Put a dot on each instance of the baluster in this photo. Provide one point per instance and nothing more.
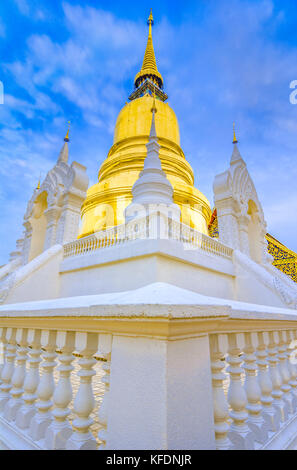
(60, 429)
(253, 391)
(8, 369)
(220, 403)
(27, 411)
(276, 378)
(287, 340)
(42, 419)
(4, 343)
(292, 360)
(271, 415)
(82, 439)
(239, 434)
(284, 371)
(18, 377)
(105, 345)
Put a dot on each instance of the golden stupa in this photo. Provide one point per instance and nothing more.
(106, 200)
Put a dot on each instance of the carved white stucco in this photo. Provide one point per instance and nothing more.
(238, 207)
(62, 194)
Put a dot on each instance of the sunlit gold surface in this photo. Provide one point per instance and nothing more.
(125, 160)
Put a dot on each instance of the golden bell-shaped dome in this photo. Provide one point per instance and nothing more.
(135, 118)
(106, 201)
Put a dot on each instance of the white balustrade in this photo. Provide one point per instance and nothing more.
(145, 228)
(3, 343)
(60, 429)
(221, 414)
(82, 439)
(8, 369)
(252, 375)
(291, 342)
(284, 373)
(271, 414)
(105, 346)
(28, 409)
(253, 390)
(42, 419)
(276, 379)
(240, 433)
(17, 381)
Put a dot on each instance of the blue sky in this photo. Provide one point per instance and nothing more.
(221, 60)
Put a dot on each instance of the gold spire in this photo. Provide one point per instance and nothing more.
(235, 141)
(149, 67)
(66, 139)
(38, 185)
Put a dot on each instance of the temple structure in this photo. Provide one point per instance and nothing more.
(173, 325)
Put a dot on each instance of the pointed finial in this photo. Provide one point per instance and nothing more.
(66, 139)
(235, 141)
(38, 185)
(150, 20)
(149, 67)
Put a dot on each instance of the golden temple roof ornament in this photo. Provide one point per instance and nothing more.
(149, 67)
(235, 141)
(66, 138)
(38, 184)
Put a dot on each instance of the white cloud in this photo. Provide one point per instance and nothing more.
(23, 6)
(31, 9)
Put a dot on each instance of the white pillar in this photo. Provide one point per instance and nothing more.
(105, 345)
(18, 377)
(60, 429)
(42, 419)
(221, 409)
(84, 403)
(27, 411)
(271, 414)
(277, 393)
(239, 434)
(160, 394)
(253, 391)
(8, 368)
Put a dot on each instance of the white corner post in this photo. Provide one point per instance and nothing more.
(160, 394)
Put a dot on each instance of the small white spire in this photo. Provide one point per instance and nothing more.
(236, 156)
(153, 133)
(63, 156)
(152, 186)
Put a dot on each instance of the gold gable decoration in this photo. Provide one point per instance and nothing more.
(284, 259)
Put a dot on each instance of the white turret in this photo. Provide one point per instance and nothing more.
(152, 191)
